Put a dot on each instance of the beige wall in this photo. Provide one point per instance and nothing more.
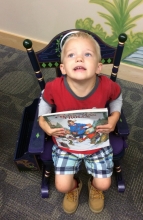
(40, 20)
(43, 19)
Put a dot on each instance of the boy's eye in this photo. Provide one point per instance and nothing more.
(71, 55)
(88, 54)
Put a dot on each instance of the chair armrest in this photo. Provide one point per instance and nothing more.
(122, 128)
(37, 139)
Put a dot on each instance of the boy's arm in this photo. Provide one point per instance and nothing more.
(55, 132)
(115, 110)
(45, 108)
(116, 105)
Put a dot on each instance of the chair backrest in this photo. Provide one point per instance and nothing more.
(49, 56)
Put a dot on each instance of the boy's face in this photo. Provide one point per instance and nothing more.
(71, 122)
(80, 60)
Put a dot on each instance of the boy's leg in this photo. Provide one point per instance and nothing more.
(71, 186)
(66, 165)
(100, 166)
(101, 183)
(65, 183)
(96, 186)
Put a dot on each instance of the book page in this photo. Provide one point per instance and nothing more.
(80, 129)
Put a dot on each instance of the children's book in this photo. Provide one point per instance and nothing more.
(80, 128)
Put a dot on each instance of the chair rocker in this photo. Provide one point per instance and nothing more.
(32, 143)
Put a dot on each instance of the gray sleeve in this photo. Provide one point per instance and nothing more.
(116, 105)
(44, 107)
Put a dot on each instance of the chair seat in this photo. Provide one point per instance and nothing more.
(118, 143)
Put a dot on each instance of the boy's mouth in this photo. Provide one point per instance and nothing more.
(79, 68)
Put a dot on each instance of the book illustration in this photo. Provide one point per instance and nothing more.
(80, 128)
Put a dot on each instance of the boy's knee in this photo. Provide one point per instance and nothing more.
(63, 188)
(64, 185)
(102, 184)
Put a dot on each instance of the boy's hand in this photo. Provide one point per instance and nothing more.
(112, 121)
(55, 132)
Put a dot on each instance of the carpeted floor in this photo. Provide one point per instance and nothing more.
(20, 191)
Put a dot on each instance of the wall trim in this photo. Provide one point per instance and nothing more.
(126, 72)
(130, 65)
(16, 41)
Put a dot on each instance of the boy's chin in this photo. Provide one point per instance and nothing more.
(83, 77)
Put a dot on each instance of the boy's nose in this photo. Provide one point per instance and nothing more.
(79, 58)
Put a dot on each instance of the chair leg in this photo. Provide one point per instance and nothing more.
(119, 177)
(47, 166)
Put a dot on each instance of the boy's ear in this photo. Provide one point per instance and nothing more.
(62, 69)
(99, 68)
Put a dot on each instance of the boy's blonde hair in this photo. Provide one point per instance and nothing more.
(81, 34)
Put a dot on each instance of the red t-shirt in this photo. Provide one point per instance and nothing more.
(58, 93)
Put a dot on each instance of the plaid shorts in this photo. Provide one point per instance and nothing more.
(99, 164)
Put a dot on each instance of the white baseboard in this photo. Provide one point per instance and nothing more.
(16, 41)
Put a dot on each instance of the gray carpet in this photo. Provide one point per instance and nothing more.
(20, 191)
